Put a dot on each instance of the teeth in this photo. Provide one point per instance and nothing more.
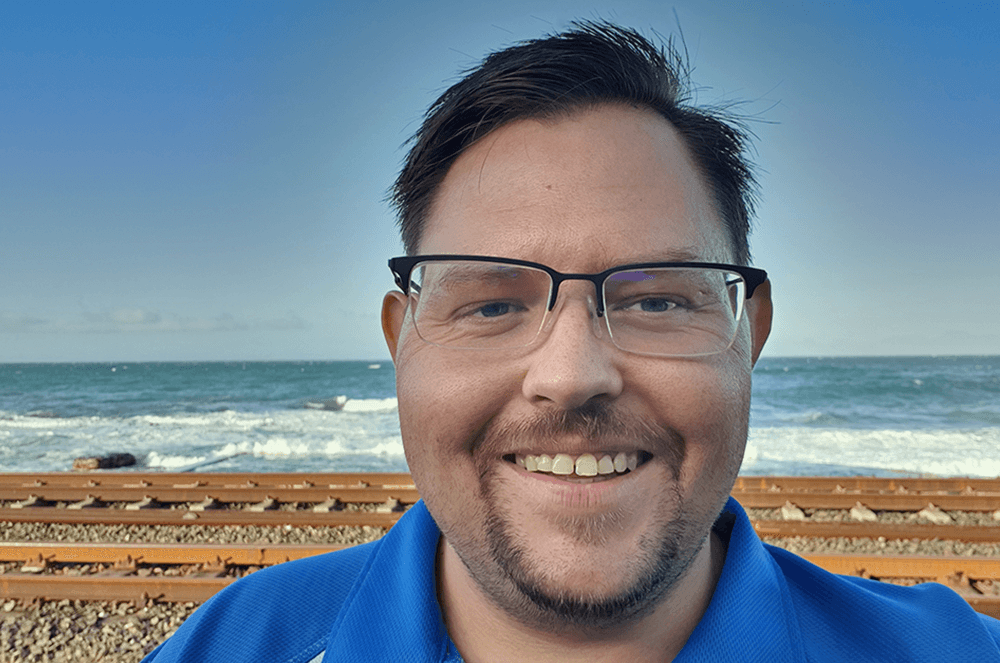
(562, 464)
(586, 465)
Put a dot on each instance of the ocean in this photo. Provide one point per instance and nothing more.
(888, 416)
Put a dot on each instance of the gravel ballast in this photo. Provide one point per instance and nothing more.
(77, 533)
(85, 631)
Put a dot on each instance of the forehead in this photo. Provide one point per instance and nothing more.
(599, 187)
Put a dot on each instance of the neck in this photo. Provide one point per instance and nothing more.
(484, 633)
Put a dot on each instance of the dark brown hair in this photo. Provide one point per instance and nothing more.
(590, 64)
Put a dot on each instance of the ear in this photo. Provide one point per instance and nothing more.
(393, 314)
(760, 311)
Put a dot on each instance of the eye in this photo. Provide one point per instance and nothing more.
(656, 305)
(650, 304)
(494, 309)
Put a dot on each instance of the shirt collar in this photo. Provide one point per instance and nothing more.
(750, 617)
(392, 612)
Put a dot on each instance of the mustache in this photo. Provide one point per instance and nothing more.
(596, 422)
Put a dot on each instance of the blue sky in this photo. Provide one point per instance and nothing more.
(198, 181)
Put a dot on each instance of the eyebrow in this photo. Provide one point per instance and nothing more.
(671, 255)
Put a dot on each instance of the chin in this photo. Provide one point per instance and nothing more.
(586, 573)
(549, 593)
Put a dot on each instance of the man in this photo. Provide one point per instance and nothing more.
(573, 342)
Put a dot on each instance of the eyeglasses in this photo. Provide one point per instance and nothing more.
(674, 309)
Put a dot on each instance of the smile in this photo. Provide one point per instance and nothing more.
(602, 465)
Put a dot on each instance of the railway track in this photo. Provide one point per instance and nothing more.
(140, 572)
(171, 498)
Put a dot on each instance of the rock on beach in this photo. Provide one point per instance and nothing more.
(108, 462)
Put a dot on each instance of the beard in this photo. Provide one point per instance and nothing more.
(514, 580)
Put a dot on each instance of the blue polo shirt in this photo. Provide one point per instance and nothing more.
(377, 602)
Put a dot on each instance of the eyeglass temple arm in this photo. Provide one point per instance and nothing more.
(753, 279)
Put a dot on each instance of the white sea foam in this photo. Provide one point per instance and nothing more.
(38, 423)
(169, 462)
(280, 446)
(293, 439)
(944, 452)
(388, 448)
(370, 405)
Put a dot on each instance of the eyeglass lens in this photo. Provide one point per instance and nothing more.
(674, 311)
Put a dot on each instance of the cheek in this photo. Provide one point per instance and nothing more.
(445, 398)
(707, 403)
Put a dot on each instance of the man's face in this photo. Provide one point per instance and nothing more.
(599, 188)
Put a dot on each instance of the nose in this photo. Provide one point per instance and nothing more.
(576, 363)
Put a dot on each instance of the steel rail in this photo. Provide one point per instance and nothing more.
(875, 530)
(936, 567)
(750, 499)
(123, 478)
(176, 495)
(762, 492)
(940, 568)
(950, 570)
(221, 517)
(174, 589)
(866, 484)
(874, 501)
(181, 589)
(213, 554)
(305, 493)
(386, 517)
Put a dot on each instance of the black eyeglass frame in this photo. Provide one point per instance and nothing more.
(403, 266)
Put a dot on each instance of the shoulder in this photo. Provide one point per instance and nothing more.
(869, 620)
(283, 612)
